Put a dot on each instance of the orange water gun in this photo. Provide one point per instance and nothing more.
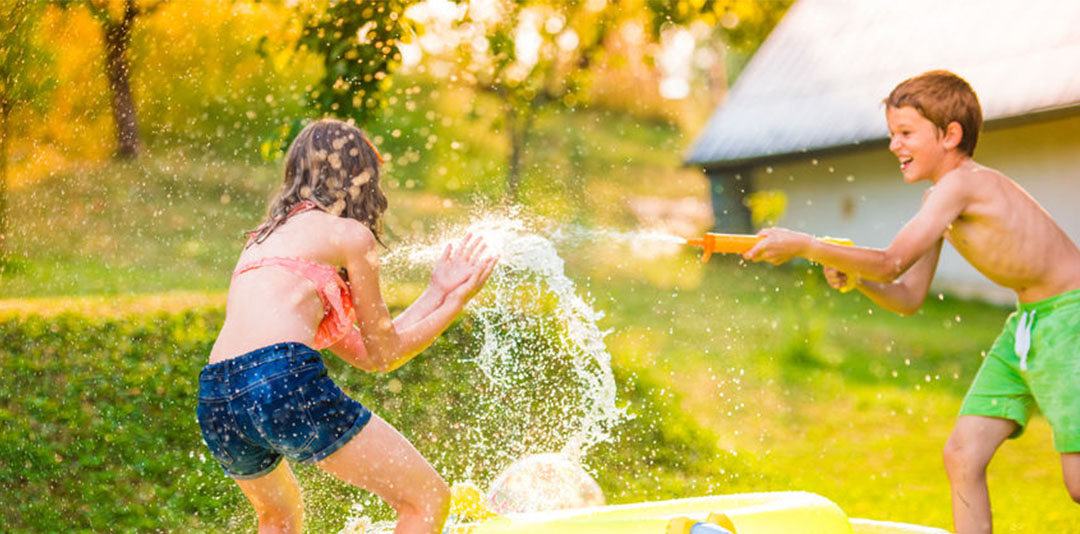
(712, 243)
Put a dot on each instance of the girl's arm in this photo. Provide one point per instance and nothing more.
(452, 269)
(383, 344)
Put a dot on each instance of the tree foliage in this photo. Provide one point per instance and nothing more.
(536, 55)
(22, 59)
(744, 24)
(227, 76)
(357, 42)
(530, 55)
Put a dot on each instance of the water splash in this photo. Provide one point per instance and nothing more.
(543, 378)
(539, 374)
(538, 346)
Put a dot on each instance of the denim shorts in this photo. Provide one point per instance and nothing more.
(273, 402)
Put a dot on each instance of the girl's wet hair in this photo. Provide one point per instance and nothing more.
(333, 165)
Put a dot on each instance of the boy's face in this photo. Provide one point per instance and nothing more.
(917, 142)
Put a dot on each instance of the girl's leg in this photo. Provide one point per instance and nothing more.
(1070, 468)
(277, 501)
(382, 461)
(972, 444)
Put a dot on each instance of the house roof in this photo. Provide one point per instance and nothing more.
(817, 82)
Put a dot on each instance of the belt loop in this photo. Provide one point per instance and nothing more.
(226, 370)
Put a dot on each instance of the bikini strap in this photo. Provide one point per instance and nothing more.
(299, 207)
(318, 273)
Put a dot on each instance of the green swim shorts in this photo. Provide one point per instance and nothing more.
(1034, 362)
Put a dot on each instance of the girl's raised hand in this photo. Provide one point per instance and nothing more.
(472, 285)
(461, 264)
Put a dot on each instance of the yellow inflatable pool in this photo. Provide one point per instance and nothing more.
(790, 512)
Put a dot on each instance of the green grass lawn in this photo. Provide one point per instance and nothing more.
(828, 393)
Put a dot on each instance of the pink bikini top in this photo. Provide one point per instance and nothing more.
(338, 313)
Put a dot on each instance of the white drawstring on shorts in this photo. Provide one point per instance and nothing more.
(1023, 337)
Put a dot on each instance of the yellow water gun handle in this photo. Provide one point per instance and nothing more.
(851, 280)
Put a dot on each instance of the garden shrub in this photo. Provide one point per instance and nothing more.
(98, 429)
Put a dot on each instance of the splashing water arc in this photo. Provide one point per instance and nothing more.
(549, 386)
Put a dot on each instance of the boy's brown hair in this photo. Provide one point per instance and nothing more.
(942, 97)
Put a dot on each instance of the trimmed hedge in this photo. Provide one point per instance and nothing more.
(98, 430)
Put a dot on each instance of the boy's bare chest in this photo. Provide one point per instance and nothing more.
(977, 240)
(997, 247)
(962, 231)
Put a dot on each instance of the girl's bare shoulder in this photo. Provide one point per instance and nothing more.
(344, 235)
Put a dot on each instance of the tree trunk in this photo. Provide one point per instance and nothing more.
(117, 39)
(576, 183)
(518, 124)
(513, 175)
(5, 112)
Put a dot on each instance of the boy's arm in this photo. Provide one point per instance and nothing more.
(942, 204)
(903, 296)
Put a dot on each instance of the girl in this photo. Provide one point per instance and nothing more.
(265, 394)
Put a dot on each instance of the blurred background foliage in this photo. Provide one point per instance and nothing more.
(222, 77)
(573, 109)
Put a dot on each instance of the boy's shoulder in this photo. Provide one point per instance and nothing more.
(972, 169)
(971, 177)
(971, 189)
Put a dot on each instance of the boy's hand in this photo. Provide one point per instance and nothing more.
(836, 279)
(778, 245)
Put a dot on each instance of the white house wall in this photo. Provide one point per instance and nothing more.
(861, 195)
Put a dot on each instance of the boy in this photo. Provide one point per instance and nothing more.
(934, 122)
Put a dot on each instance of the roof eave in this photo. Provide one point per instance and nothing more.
(1007, 121)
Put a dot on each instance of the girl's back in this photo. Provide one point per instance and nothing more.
(275, 303)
